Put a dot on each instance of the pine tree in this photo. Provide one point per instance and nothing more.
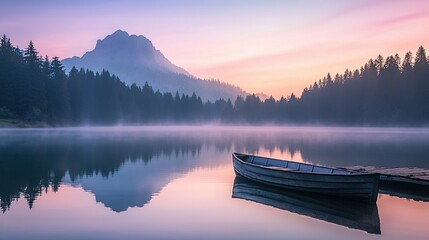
(8, 70)
(407, 64)
(421, 73)
(57, 93)
(31, 56)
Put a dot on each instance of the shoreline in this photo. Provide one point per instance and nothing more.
(16, 123)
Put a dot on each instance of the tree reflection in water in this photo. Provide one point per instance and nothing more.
(32, 161)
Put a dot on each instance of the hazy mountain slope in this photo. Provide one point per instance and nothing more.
(135, 60)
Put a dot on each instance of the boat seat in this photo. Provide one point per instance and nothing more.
(281, 168)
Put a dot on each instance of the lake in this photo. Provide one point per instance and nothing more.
(178, 183)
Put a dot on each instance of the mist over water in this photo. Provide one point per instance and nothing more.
(177, 180)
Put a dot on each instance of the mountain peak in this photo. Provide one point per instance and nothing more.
(121, 39)
(118, 35)
(136, 60)
(120, 32)
(120, 46)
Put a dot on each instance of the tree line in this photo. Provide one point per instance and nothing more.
(36, 89)
(382, 92)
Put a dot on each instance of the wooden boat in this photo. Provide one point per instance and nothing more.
(308, 177)
(355, 215)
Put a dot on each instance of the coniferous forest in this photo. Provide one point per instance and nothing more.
(384, 92)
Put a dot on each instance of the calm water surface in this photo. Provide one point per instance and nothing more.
(178, 183)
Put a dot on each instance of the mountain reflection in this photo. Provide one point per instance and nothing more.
(125, 168)
(30, 164)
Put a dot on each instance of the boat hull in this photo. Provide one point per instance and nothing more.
(362, 187)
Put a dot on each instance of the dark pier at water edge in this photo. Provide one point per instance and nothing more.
(402, 182)
(417, 176)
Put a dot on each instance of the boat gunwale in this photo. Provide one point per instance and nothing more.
(284, 170)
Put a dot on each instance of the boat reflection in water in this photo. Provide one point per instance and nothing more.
(350, 214)
(404, 190)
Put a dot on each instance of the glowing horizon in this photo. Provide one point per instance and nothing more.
(275, 47)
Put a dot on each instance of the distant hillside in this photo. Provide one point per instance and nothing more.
(134, 59)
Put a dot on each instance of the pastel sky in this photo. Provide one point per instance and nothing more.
(275, 47)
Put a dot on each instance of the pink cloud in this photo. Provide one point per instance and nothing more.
(400, 19)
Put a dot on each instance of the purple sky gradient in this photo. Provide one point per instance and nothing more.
(275, 47)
